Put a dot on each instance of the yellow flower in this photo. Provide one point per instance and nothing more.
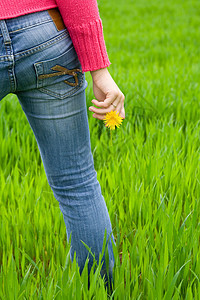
(112, 119)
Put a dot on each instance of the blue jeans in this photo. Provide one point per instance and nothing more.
(38, 63)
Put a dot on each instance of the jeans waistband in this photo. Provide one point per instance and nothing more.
(27, 20)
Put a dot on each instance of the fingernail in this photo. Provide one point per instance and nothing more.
(90, 108)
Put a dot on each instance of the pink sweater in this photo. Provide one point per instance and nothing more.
(81, 17)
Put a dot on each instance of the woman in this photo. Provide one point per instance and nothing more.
(45, 48)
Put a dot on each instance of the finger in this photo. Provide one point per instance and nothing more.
(122, 113)
(103, 107)
(97, 116)
(117, 105)
(110, 98)
(101, 111)
(99, 103)
(114, 104)
(118, 108)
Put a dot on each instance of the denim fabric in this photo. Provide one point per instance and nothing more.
(31, 50)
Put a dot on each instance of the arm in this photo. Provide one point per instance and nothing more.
(84, 24)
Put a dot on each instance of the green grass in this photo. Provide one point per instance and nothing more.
(149, 175)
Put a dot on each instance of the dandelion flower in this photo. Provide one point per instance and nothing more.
(112, 119)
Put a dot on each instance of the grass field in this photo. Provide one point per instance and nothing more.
(149, 175)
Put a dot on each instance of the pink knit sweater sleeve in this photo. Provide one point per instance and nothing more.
(81, 17)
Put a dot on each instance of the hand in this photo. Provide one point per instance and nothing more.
(108, 95)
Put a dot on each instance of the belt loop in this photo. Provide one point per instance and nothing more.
(5, 33)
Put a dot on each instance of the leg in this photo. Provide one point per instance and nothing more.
(62, 133)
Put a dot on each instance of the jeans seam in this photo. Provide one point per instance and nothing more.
(11, 68)
(41, 46)
(30, 26)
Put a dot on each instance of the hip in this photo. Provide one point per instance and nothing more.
(36, 51)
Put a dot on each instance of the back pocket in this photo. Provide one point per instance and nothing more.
(61, 76)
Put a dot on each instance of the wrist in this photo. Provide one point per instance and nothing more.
(100, 72)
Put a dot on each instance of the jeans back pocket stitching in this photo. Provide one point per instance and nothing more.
(63, 71)
(73, 90)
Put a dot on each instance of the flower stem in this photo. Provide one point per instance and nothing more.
(111, 143)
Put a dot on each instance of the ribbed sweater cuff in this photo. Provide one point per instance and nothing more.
(88, 41)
